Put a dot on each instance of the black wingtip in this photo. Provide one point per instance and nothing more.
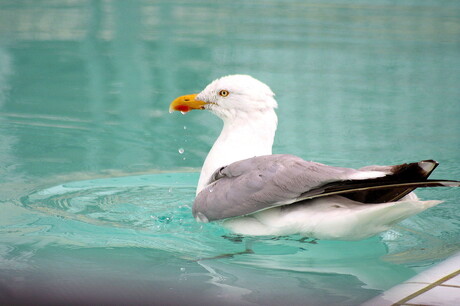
(360, 191)
(403, 179)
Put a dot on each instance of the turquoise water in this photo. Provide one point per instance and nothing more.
(95, 194)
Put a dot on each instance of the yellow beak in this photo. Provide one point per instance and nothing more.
(186, 103)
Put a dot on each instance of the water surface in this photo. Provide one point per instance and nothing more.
(97, 179)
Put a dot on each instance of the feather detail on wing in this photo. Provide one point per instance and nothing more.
(263, 182)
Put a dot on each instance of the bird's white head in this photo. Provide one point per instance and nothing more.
(228, 96)
(247, 107)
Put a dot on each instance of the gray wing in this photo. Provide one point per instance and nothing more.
(262, 182)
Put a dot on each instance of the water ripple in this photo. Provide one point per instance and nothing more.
(154, 212)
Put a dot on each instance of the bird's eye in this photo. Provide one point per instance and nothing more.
(223, 93)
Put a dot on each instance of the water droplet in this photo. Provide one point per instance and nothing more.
(210, 190)
(185, 127)
(170, 189)
(182, 269)
(183, 113)
(181, 150)
(183, 158)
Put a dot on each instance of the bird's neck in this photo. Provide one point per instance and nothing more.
(243, 136)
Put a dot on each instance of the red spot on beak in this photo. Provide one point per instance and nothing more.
(182, 108)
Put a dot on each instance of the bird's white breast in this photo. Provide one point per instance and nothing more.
(245, 136)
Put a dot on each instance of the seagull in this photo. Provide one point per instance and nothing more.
(251, 191)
